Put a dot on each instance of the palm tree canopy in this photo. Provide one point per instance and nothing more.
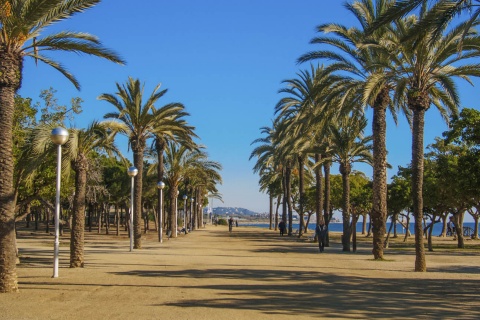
(438, 17)
(22, 22)
(140, 120)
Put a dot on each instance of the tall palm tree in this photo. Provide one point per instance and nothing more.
(176, 129)
(82, 143)
(426, 77)
(268, 170)
(367, 71)
(21, 25)
(298, 139)
(349, 146)
(180, 161)
(138, 121)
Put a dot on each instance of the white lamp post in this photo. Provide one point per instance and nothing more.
(132, 172)
(58, 136)
(185, 213)
(160, 187)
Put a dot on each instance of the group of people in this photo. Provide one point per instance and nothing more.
(321, 231)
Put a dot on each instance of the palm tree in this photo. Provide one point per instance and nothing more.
(21, 24)
(203, 175)
(82, 143)
(138, 121)
(349, 146)
(180, 162)
(269, 171)
(298, 139)
(426, 75)
(370, 81)
(175, 129)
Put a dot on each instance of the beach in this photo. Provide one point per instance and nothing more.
(251, 273)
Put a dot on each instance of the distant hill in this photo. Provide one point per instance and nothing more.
(222, 211)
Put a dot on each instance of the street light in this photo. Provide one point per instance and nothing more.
(185, 213)
(160, 187)
(132, 172)
(58, 136)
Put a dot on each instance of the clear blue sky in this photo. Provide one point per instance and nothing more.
(224, 60)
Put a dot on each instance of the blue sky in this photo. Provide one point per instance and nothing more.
(224, 60)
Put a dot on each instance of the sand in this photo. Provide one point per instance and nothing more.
(248, 274)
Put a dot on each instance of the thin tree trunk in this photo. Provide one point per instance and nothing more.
(364, 224)
(394, 222)
(117, 215)
(279, 198)
(385, 245)
(458, 222)
(353, 228)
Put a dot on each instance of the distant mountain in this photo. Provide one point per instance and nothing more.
(222, 211)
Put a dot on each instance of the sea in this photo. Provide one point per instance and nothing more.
(338, 226)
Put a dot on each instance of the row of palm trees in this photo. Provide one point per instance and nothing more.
(397, 58)
(137, 116)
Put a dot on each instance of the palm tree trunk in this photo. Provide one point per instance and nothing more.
(318, 188)
(117, 218)
(173, 209)
(345, 171)
(78, 221)
(288, 197)
(326, 203)
(379, 208)
(284, 200)
(301, 190)
(137, 200)
(417, 186)
(270, 209)
(10, 78)
(279, 198)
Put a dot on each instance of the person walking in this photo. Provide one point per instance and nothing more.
(321, 233)
(282, 227)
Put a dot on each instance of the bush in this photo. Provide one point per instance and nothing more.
(222, 222)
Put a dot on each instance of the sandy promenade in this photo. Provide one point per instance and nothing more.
(249, 274)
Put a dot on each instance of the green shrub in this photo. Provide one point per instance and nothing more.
(222, 222)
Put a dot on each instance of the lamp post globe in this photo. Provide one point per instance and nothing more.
(132, 171)
(59, 136)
